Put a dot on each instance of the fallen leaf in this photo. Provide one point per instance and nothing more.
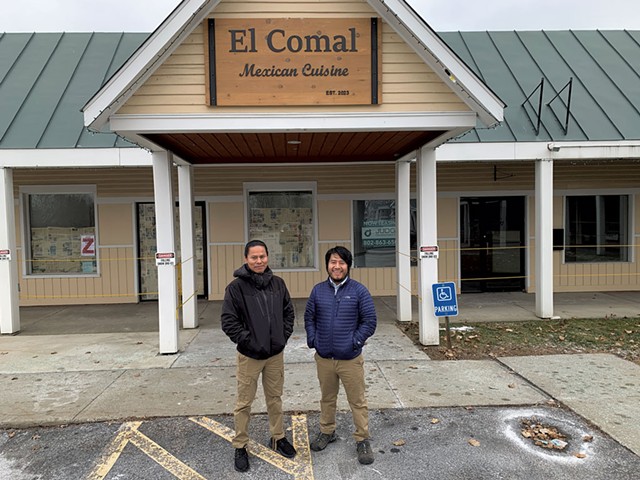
(473, 442)
(11, 434)
(587, 438)
(512, 385)
(508, 330)
(35, 437)
(435, 420)
(399, 443)
(580, 455)
(628, 332)
(561, 338)
(413, 367)
(54, 353)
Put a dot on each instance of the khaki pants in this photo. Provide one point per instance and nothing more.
(351, 374)
(247, 372)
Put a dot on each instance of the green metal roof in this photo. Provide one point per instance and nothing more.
(46, 78)
(605, 93)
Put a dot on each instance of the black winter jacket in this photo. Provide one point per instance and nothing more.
(257, 313)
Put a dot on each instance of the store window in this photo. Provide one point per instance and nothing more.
(374, 232)
(60, 233)
(284, 220)
(597, 228)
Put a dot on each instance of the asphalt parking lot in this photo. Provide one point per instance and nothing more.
(427, 443)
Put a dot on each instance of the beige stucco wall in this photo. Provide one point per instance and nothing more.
(179, 85)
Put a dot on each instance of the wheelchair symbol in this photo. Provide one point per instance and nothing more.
(444, 294)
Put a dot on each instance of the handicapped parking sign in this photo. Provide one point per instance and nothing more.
(445, 302)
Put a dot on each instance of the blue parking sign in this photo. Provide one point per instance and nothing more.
(445, 302)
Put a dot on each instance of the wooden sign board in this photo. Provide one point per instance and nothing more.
(293, 61)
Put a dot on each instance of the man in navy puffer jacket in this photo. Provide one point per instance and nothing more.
(339, 318)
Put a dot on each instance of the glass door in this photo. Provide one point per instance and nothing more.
(492, 240)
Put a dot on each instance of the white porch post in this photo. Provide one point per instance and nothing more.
(544, 238)
(403, 240)
(9, 306)
(187, 247)
(165, 238)
(427, 236)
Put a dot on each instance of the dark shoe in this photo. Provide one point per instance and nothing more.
(241, 461)
(322, 440)
(365, 454)
(283, 447)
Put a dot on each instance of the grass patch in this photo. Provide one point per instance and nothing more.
(618, 336)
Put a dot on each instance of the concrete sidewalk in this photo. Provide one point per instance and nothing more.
(49, 375)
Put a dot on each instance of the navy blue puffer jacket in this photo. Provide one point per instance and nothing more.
(338, 324)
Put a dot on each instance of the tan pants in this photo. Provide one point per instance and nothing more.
(247, 372)
(351, 374)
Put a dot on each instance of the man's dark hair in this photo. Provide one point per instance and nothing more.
(343, 253)
(255, 243)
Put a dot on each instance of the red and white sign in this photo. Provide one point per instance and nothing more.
(168, 258)
(5, 254)
(88, 246)
(429, 251)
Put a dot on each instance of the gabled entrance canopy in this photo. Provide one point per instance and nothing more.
(217, 137)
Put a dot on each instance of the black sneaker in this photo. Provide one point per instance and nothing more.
(322, 440)
(365, 454)
(283, 447)
(241, 460)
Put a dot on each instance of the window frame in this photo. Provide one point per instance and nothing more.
(629, 226)
(257, 187)
(25, 226)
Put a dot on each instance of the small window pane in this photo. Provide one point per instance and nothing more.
(597, 228)
(62, 234)
(284, 221)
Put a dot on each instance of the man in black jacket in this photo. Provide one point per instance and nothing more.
(257, 315)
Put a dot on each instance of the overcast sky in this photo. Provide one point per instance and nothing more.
(442, 15)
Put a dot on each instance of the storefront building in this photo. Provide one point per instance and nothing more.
(310, 125)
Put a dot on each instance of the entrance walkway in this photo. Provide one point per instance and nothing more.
(112, 371)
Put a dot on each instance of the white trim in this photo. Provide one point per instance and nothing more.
(292, 122)
(143, 63)
(75, 157)
(221, 198)
(434, 52)
(501, 151)
(30, 189)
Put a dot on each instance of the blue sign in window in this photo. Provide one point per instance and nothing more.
(445, 302)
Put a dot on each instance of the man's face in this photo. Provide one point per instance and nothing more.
(257, 259)
(337, 268)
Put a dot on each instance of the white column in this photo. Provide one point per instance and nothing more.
(544, 238)
(427, 236)
(9, 305)
(403, 240)
(188, 247)
(165, 239)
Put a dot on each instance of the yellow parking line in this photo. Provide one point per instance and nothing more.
(128, 432)
(113, 450)
(164, 458)
(300, 467)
